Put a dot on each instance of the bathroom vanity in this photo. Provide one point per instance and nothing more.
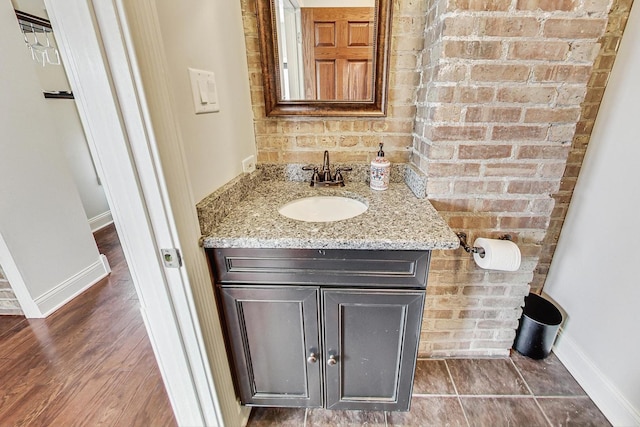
(324, 314)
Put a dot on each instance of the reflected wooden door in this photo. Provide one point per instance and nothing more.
(338, 53)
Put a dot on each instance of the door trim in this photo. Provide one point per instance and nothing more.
(112, 109)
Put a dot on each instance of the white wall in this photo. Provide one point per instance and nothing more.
(71, 136)
(593, 275)
(75, 149)
(45, 241)
(208, 35)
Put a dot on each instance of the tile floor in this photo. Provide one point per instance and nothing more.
(517, 391)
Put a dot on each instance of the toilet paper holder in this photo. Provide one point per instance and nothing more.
(474, 250)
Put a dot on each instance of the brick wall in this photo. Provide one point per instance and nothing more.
(502, 83)
(8, 301)
(595, 90)
(484, 99)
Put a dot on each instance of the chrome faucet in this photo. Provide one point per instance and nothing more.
(323, 177)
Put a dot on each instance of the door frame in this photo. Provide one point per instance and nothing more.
(113, 110)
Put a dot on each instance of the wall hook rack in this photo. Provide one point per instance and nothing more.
(475, 250)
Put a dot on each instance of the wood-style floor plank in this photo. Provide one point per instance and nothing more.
(89, 363)
(8, 323)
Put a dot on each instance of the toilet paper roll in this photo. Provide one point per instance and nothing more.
(501, 255)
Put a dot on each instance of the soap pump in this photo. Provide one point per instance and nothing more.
(380, 171)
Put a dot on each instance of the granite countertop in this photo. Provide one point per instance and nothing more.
(395, 219)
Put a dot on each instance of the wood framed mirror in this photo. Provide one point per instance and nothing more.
(330, 60)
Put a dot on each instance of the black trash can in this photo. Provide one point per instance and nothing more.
(538, 327)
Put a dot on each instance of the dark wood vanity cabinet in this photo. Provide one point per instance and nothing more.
(336, 329)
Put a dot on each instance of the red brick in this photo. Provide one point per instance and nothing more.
(440, 94)
(589, 112)
(447, 72)
(499, 73)
(562, 133)
(538, 222)
(474, 187)
(542, 152)
(576, 28)
(571, 95)
(552, 170)
(439, 152)
(493, 114)
(445, 113)
(454, 169)
(604, 62)
(532, 187)
(275, 141)
(504, 133)
(480, 5)
(483, 291)
(508, 170)
(472, 49)
(478, 314)
(547, 5)
(562, 73)
(348, 141)
(467, 152)
(533, 50)
(472, 221)
(551, 115)
(503, 205)
(306, 141)
(508, 26)
(474, 94)
(438, 314)
(599, 78)
(456, 133)
(584, 127)
(459, 25)
(525, 95)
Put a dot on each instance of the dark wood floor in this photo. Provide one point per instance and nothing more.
(88, 364)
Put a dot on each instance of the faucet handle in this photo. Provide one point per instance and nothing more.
(338, 178)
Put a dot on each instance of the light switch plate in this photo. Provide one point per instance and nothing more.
(204, 91)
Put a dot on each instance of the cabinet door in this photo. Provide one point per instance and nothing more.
(275, 344)
(373, 338)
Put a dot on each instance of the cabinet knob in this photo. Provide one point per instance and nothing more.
(312, 358)
(332, 360)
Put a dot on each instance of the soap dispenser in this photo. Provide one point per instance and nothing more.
(380, 171)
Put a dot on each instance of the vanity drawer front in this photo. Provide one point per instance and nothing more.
(327, 267)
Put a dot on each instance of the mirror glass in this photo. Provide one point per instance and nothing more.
(324, 57)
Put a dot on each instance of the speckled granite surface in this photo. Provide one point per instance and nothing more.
(395, 219)
(359, 172)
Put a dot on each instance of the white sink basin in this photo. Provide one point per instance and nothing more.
(323, 209)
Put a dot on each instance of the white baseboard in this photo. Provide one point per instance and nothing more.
(72, 287)
(618, 410)
(100, 221)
